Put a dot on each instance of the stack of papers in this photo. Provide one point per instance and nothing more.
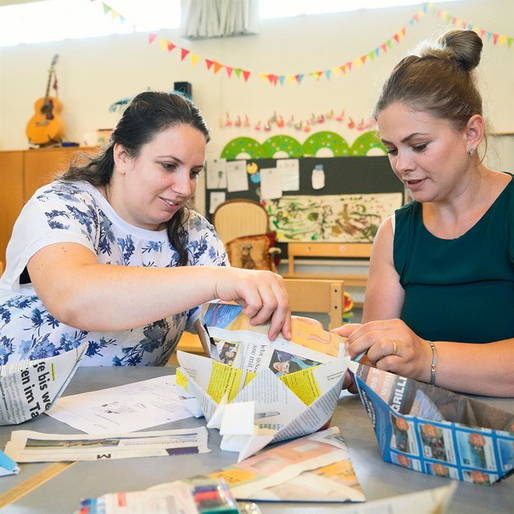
(29, 446)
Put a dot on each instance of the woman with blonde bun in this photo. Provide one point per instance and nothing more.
(440, 297)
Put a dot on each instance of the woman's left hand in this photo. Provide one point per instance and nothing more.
(392, 346)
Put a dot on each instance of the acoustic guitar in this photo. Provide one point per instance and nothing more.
(46, 126)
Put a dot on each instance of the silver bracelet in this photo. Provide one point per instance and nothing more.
(433, 365)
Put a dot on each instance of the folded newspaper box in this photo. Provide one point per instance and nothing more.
(28, 388)
(257, 391)
(435, 431)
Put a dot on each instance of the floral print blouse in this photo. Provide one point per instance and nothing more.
(66, 211)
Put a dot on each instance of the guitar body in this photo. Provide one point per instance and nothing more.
(46, 126)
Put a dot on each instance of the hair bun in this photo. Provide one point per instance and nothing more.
(465, 46)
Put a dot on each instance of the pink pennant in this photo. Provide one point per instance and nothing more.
(183, 53)
(151, 37)
(229, 70)
(246, 75)
(171, 46)
(209, 63)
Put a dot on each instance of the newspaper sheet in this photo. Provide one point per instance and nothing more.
(290, 388)
(28, 388)
(435, 431)
(313, 468)
(126, 408)
(29, 446)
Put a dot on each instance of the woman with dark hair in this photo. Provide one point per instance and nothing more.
(440, 296)
(110, 254)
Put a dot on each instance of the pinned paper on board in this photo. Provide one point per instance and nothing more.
(217, 198)
(289, 172)
(318, 177)
(271, 186)
(237, 178)
(216, 174)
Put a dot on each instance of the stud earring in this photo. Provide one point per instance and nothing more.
(470, 150)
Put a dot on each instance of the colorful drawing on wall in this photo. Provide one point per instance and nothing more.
(277, 146)
(351, 218)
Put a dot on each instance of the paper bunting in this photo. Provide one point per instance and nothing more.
(303, 125)
(280, 80)
(446, 17)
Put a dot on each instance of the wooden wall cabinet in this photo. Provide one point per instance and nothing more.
(21, 173)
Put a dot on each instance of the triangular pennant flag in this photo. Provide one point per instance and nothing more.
(151, 37)
(482, 33)
(195, 58)
(371, 55)
(183, 53)
(217, 66)
(163, 43)
(495, 38)
(509, 42)
(209, 63)
(229, 70)
(335, 71)
(396, 37)
(106, 8)
(377, 51)
(328, 73)
(489, 35)
(282, 79)
(171, 46)
(343, 68)
(363, 58)
(356, 62)
(403, 31)
(502, 40)
(290, 78)
(384, 47)
(122, 19)
(349, 65)
(264, 76)
(246, 75)
(389, 43)
(318, 74)
(237, 71)
(299, 77)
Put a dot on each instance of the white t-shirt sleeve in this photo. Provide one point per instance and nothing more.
(49, 217)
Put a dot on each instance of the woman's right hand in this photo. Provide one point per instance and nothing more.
(262, 294)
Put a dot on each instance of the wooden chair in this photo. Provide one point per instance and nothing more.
(318, 296)
(340, 250)
(243, 226)
(241, 217)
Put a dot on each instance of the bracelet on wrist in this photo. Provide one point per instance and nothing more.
(433, 365)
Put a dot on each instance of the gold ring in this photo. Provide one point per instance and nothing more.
(395, 348)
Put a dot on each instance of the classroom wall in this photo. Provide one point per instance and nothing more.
(94, 73)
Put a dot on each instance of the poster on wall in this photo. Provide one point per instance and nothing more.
(352, 218)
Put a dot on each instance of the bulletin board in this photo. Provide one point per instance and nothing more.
(316, 214)
(343, 175)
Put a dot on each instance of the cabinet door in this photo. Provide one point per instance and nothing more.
(11, 195)
(44, 165)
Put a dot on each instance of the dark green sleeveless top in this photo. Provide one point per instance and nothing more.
(459, 289)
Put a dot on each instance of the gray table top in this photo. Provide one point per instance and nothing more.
(378, 479)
